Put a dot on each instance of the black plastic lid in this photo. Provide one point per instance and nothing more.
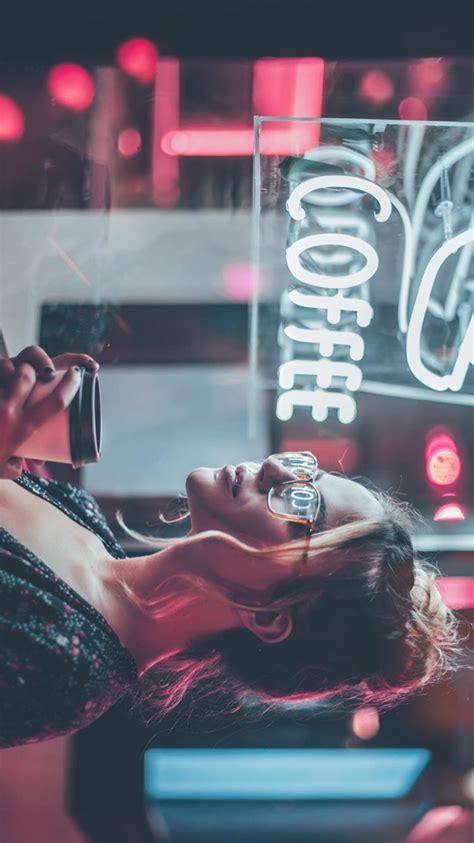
(85, 429)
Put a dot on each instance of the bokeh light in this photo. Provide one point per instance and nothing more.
(365, 723)
(138, 58)
(428, 75)
(12, 122)
(71, 86)
(129, 142)
(412, 108)
(240, 280)
(443, 464)
(449, 512)
(376, 86)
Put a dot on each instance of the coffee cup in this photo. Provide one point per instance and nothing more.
(72, 436)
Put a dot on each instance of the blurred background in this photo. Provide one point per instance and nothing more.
(140, 223)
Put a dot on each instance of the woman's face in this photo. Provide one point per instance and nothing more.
(233, 499)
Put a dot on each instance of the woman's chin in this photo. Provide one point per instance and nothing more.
(199, 478)
(203, 492)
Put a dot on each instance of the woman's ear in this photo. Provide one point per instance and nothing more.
(270, 627)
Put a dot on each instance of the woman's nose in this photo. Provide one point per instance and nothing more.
(272, 472)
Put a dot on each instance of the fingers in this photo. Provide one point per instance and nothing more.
(37, 467)
(70, 358)
(20, 385)
(7, 369)
(19, 418)
(12, 469)
(36, 357)
(55, 402)
(45, 365)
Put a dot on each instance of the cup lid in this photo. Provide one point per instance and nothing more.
(85, 429)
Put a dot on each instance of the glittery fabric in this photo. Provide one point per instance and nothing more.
(61, 664)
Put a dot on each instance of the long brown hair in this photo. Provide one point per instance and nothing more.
(369, 626)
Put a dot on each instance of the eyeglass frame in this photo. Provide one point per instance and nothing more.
(310, 522)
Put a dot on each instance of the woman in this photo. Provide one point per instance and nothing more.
(292, 585)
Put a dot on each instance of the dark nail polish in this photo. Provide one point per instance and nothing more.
(48, 371)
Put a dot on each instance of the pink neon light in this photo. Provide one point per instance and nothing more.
(291, 87)
(449, 512)
(235, 142)
(138, 58)
(165, 167)
(71, 86)
(208, 142)
(288, 87)
(457, 592)
(12, 122)
(377, 87)
(412, 108)
(129, 142)
(281, 88)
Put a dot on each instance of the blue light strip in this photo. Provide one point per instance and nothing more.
(282, 773)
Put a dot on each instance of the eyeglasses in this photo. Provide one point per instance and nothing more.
(298, 501)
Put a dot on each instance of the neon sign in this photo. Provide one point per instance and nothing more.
(307, 308)
(327, 301)
(455, 379)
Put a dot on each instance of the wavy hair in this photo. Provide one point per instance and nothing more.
(369, 626)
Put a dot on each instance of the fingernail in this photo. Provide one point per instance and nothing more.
(76, 368)
(48, 371)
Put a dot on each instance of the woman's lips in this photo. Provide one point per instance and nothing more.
(229, 477)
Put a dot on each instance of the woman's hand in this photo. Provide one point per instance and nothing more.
(18, 376)
(46, 366)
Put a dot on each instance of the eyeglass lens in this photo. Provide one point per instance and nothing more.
(298, 500)
(303, 464)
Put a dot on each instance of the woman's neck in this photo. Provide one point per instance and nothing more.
(124, 583)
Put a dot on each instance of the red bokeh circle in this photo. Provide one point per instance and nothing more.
(138, 58)
(129, 142)
(12, 122)
(377, 87)
(71, 86)
(412, 108)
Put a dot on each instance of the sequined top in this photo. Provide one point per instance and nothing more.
(61, 664)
